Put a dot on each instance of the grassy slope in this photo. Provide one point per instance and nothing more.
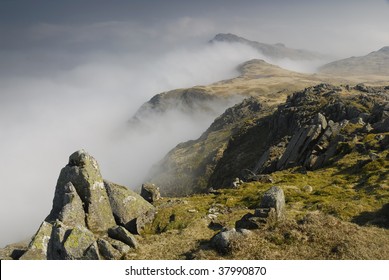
(321, 224)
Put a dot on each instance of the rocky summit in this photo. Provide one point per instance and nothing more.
(90, 218)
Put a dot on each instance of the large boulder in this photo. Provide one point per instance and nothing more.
(83, 173)
(128, 207)
(121, 234)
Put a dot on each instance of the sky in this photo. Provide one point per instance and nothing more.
(72, 73)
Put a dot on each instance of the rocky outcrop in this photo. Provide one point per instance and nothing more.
(307, 131)
(88, 216)
(84, 174)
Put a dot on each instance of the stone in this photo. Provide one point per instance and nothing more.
(321, 120)
(72, 212)
(222, 240)
(127, 206)
(92, 253)
(83, 173)
(107, 251)
(121, 234)
(77, 242)
(150, 192)
(38, 247)
(307, 189)
(138, 225)
(367, 128)
(119, 245)
(250, 221)
(274, 198)
(374, 156)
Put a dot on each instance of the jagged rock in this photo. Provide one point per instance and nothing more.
(119, 245)
(128, 207)
(274, 198)
(72, 212)
(107, 251)
(321, 120)
(150, 192)
(38, 247)
(262, 178)
(77, 243)
(84, 174)
(14, 251)
(92, 253)
(121, 234)
(298, 145)
(137, 225)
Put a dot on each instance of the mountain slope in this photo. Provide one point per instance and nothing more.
(273, 51)
(375, 63)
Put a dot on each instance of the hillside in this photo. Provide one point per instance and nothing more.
(273, 51)
(318, 189)
(373, 64)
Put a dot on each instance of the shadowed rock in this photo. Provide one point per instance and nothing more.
(150, 192)
(127, 206)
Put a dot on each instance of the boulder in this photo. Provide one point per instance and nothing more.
(150, 192)
(72, 212)
(121, 234)
(77, 243)
(107, 251)
(129, 208)
(83, 173)
(222, 240)
(38, 247)
(274, 198)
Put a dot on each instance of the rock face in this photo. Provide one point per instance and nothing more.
(81, 224)
(307, 131)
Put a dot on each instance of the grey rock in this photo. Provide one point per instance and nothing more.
(150, 192)
(107, 251)
(92, 253)
(321, 120)
(128, 207)
(274, 198)
(121, 234)
(138, 225)
(222, 240)
(72, 212)
(250, 221)
(84, 174)
(38, 247)
(77, 243)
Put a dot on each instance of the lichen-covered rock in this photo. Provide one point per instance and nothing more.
(83, 173)
(127, 206)
(121, 234)
(107, 251)
(38, 247)
(92, 253)
(150, 192)
(77, 243)
(274, 198)
(72, 212)
(138, 225)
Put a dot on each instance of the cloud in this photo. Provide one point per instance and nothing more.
(48, 111)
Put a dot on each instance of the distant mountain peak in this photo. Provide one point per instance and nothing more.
(273, 51)
(384, 49)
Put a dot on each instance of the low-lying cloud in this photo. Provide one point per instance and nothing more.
(45, 116)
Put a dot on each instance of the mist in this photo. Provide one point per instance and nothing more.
(73, 73)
